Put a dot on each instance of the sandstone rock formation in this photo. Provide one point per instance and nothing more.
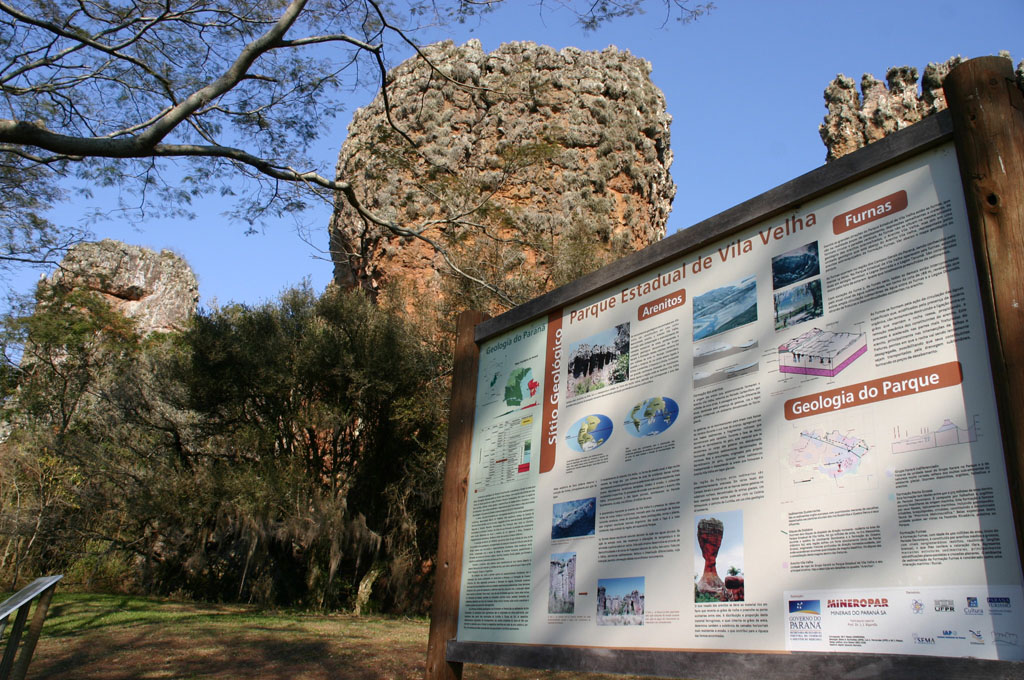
(855, 120)
(709, 538)
(592, 366)
(158, 290)
(588, 359)
(562, 589)
(530, 167)
(631, 604)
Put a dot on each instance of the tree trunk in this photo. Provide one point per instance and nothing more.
(366, 587)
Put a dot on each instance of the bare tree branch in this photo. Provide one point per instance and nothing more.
(97, 91)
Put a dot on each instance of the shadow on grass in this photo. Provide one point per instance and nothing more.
(93, 637)
(210, 653)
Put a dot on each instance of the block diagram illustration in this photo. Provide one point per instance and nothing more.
(819, 352)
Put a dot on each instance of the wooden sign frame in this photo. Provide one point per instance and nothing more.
(986, 122)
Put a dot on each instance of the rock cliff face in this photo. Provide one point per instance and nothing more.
(157, 290)
(855, 120)
(530, 167)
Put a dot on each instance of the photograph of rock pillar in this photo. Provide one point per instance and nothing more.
(599, 360)
(529, 166)
(709, 537)
(719, 541)
(620, 601)
(562, 584)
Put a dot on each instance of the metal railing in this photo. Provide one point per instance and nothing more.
(20, 602)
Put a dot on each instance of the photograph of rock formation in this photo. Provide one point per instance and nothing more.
(526, 166)
(573, 518)
(795, 265)
(562, 585)
(798, 304)
(719, 540)
(729, 306)
(620, 601)
(599, 361)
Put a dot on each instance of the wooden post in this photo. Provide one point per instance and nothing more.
(444, 615)
(988, 129)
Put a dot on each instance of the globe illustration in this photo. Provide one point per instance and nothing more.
(589, 432)
(651, 416)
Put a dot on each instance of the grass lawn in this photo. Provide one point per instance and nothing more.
(116, 637)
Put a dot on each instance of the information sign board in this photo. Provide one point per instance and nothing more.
(784, 441)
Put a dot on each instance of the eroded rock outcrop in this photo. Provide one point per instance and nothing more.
(709, 538)
(879, 109)
(158, 290)
(530, 167)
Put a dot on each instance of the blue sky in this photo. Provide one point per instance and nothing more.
(619, 587)
(605, 337)
(744, 86)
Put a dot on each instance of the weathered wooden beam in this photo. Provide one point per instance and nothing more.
(988, 131)
(444, 615)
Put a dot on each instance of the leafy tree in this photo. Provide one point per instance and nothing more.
(64, 351)
(288, 453)
(335, 401)
(105, 92)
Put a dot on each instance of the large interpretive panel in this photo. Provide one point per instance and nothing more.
(785, 441)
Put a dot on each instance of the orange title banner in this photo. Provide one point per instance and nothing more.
(870, 212)
(552, 391)
(881, 389)
(661, 305)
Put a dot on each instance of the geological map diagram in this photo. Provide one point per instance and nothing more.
(521, 387)
(819, 352)
(822, 460)
(493, 380)
(947, 434)
(513, 386)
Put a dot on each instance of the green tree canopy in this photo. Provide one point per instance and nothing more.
(286, 453)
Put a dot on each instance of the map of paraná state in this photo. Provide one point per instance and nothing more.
(520, 385)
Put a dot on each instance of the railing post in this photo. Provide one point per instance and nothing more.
(20, 603)
(12, 642)
(21, 668)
